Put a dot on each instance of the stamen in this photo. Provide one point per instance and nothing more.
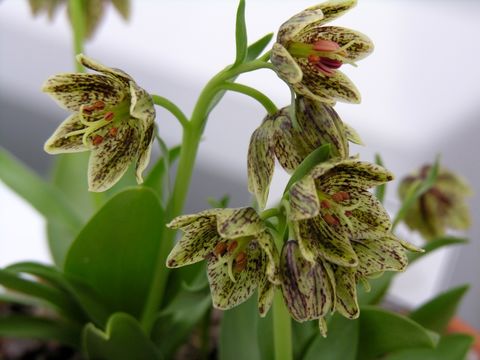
(348, 213)
(98, 105)
(113, 132)
(324, 204)
(325, 45)
(340, 196)
(220, 248)
(232, 246)
(240, 262)
(109, 116)
(330, 219)
(97, 140)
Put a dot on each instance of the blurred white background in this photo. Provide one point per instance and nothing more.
(421, 96)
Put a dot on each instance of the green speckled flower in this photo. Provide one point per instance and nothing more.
(276, 137)
(343, 232)
(93, 10)
(307, 54)
(440, 208)
(113, 118)
(239, 251)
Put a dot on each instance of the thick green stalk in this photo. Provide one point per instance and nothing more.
(78, 29)
(192, 133)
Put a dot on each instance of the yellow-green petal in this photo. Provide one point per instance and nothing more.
(110, 160)
(306, 286)
(95, 65)
(260, 162)
(123, 7)
(71, 91)
(184, 220)
(198, 241)
(346, 286)
(227, 293)
(144, 152)
(333, 9)
(266, 292)
(288, 144)
(296, 23)
(304, 203)
(285, 65)
(239, 222)
(59, 142)
(141, 105)
(267, 244)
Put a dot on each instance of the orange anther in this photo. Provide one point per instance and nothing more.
(324, 204)
(97, 140)
(109, 116)
(240, 262)
(98, 105)
(330, 219)
(340, 196)
(220, 249)
(348, 213)
(113, 131)
(232, 246)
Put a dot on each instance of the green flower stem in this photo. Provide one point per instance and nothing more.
(188, 153)
(253, 93)
(282, 327)
(269, 213)
(172, 108)
(78, 28)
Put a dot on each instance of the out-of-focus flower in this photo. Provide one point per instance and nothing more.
(240, 254)
(343, 232)
(442, 207)
(93, 10)
(307, 54)
(113, 118)
(277, 137)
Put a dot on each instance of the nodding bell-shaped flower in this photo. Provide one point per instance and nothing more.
(343, 231)
(113, 118)
(277, 137)
(240, 253)
(307, 54)
(442, 207)
(94, 11)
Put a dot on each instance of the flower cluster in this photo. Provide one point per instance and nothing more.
(442, 207)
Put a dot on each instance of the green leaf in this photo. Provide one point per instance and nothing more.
(240, 34)
(220, 203)
(317, 156)
(450, 347)
(379, 288)
(20, 326)
(436, 244)
(265, 337)
(123, 339)
(255, 49)
(238, 335)
(436, 313)
(51, 295)
(341, 342)
(42, 196)
(116, 252)
(380, 189)
(415, 192)
(383, 332)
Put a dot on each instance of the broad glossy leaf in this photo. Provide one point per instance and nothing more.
(238, 335)
(317, 156)
(436, 313)
(240, 34)
(341, 342)
(450, 347)
(383, 332)
(19, 326)
(116, 252)
(123, 339)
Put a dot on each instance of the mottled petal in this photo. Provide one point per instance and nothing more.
(141, 106)
(198, 241)
(333, 9)
(184, 220)
(260, 162)
(94, 12)
(319, 239)
(110, 160)
(285, 65)
(306, 286)
(337, 87)
(144, 152)
(288, 145)
(320, 124)
(94, 65)
(123, 7)
(240, 222)
(357, 45)
(409, 246)
(352, 135)
(60, 143)
(350, 173)
(380, 254)
(226, 293)
(267, 244)
(304, 203)
(296, 23)
(266, 292)
(71, 91)
(346, 287)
